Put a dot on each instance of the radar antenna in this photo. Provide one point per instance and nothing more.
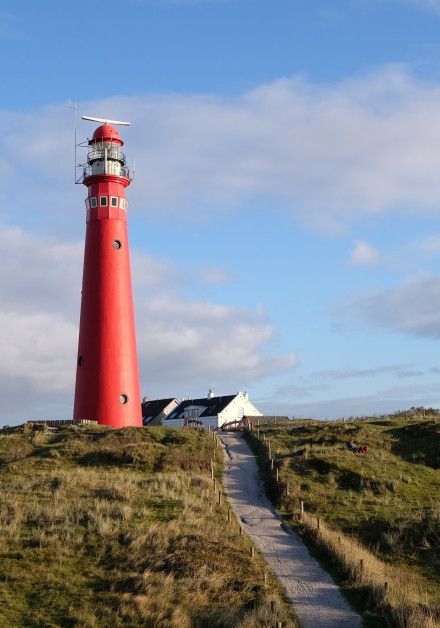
(106, 121)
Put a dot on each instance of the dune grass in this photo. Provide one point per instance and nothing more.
(101, 528)
(381, 508)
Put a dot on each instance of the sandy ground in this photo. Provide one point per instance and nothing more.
(316, 598)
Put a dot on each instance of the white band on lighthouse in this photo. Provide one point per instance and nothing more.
(106, 121)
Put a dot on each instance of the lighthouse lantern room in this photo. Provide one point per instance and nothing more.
(107, 377)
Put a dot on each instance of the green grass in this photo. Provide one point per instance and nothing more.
(101, 528)
(387, 500)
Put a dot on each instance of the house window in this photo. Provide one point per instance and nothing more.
(93, 201)
(103, 201)
(114, 201)
(122, 203)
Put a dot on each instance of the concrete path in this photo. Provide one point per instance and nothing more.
(316, 598)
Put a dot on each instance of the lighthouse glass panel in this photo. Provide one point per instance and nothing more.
(103, 201)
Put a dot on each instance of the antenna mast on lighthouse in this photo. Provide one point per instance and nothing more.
(107, 376)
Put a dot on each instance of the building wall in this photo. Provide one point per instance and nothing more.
(239, 407)
(173, 423)
(210, 421)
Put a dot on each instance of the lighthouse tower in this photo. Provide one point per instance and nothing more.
(107, 376)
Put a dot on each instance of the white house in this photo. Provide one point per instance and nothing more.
(212, 411)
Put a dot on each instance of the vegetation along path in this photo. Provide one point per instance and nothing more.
(316, 598)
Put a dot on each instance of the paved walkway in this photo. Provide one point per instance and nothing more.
(314, 595)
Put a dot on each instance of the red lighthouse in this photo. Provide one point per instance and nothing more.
(107, 376)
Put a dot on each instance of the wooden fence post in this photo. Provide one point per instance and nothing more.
(219, 498)
(287, 489)
(301, 510)
(252, 552)
(277, 475)
(318, 523)
(229, 516)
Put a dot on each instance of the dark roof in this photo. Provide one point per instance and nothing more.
(213, 406)
(155, 406)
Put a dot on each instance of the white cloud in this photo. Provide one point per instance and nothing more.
(324, 153)
(194, 344)
(38, 273)
(413, 307)
(328, 154)
(184, 346)
(38, 349)
(430, 245)
(214, 275)
(406, 257)
(363, 254)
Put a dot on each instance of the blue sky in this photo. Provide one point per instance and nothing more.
(284, 218)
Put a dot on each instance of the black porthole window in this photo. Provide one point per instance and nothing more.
(117, 244)
(123, 399)
(80, 360)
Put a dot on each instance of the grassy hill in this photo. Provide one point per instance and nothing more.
(101, 528)
(386, 501)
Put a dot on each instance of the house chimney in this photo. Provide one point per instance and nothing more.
(210, 393)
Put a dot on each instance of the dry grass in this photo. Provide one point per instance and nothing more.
(381, 508)
(397, 592)
(101, 528)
